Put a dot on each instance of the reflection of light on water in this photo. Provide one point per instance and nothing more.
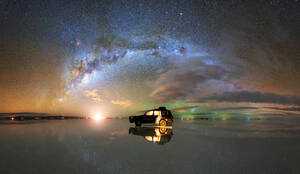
(158, 134)
(165, 127)
(224, 118)
(153, 139)
(149, 138)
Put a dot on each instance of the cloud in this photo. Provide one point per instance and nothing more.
(285, 109)
(255, 97)
(184, 109)
(236, 108)
(122, 103)
(265, 61)
(179, 82)
(94, 95)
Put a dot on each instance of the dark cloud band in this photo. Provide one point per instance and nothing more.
(255, 97)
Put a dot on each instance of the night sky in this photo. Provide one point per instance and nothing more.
(223, 58)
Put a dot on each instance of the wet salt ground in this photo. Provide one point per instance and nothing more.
(200, 146)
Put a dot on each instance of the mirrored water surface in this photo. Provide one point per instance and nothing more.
(116, 146)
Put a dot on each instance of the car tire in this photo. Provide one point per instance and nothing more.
(163, 122)
(138, 123)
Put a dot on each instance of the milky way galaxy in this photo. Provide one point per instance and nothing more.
(124, 57)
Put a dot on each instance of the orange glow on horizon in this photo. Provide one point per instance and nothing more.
(97, 117)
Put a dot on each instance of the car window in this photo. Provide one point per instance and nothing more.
(157, 113)
(149, 113)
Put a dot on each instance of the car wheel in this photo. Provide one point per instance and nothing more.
(163, 123)
(138, 123)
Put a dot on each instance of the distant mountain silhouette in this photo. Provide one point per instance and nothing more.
(24, 114)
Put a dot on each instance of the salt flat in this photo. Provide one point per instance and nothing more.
(190, 146)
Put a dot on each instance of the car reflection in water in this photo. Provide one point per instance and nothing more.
(157, 135)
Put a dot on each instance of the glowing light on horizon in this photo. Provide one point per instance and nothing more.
(97, 117)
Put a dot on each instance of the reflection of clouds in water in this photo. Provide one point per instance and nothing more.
(276, 127)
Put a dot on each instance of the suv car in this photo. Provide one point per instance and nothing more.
(160, 116)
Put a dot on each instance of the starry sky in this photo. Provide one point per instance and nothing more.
(218, 58)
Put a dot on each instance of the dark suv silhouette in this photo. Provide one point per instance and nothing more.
(160, 116)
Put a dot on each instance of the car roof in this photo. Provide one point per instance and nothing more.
(158, 109)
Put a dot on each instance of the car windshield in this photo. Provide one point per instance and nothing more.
(149, 113)
(157, 113)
